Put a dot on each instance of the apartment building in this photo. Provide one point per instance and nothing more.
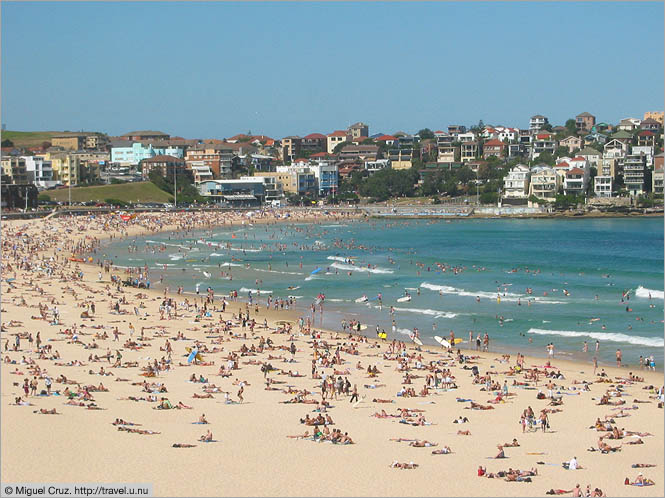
(544, 183)
(635, 174)
(469, 151)
(167, 166)
(584, 122)
(358, 130)
(218, 157)
(537, 123)
(516, 183)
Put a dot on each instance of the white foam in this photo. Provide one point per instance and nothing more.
(216, 254)
(245, 250)
(507, 296)
(405, 332)
(340, 266)
(282, 272)
(655, 342)
(435, 313)
(175, 257)
(229, 264)
(644, 292)
(255, 291)
(338, 258)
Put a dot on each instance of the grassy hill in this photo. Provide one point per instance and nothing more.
(128, 192)
(33, 138)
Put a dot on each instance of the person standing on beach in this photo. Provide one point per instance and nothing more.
(619, 358)
(595, 364)
(585, 349)
(354, 396)
(597, 345)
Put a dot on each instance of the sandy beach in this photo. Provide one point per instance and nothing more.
(251, 453)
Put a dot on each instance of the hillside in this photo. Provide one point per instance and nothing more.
(128, 192)
(34, 138)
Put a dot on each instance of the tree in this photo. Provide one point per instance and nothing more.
(425, 133)
(7, 143)
(571, 126)
(561, 151)
(547, 127)
(545, 157)
(340, 146)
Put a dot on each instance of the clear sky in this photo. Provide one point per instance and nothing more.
(203, 70)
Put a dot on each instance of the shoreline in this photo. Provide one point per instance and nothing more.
(302, 309)
(253, 436)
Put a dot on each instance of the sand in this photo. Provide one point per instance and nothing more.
(253, 456)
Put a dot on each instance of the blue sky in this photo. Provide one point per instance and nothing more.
(215, 69)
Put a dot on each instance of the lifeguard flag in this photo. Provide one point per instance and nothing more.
(233, 235)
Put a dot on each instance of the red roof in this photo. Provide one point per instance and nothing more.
(315, 135)
(337, 133)
(439, 131)
(270, 141)
(563, 164)
(646, 133)
(575, 171)
(578, 158)
(542, 136)
(301, 160)
(384, 138)
(494, 142)
(163, 158)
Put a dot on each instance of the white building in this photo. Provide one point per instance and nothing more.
(39, 172)
(377, 165)
(537, 122)
(544, 183)
(516, 183)
(576, 181)
(602, 186)
(466, 137)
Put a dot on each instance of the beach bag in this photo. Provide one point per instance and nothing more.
(627, 481)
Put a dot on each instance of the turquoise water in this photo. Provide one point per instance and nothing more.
(577, 271)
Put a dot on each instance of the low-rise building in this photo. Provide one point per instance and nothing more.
(651, 124)
(537, 123)
(137, 136)
(572, 143)
(313, 143)
(401, 158)
(591, 155)
(516, 183)
(245, 191)
(603, 186)
(362, 152)
(576, 181)
(493, 147)
(616, 148)
(543, 142)
(327, 177)
(291, 148)
(545, 183)
(456, 130)
(66, 167)
(358, 130)
(469, 151)
(14, 170)
(377, 165)
(584, 122)
(635, 174)
(39, 172)
(167, 166)
(655, 115)
(334, 139)
(657, 181)
(218, 157)
(447, 153)
(69, 142)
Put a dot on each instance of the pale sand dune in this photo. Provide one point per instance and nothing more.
(254, 458)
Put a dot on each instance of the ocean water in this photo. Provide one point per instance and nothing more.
(525, 282)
